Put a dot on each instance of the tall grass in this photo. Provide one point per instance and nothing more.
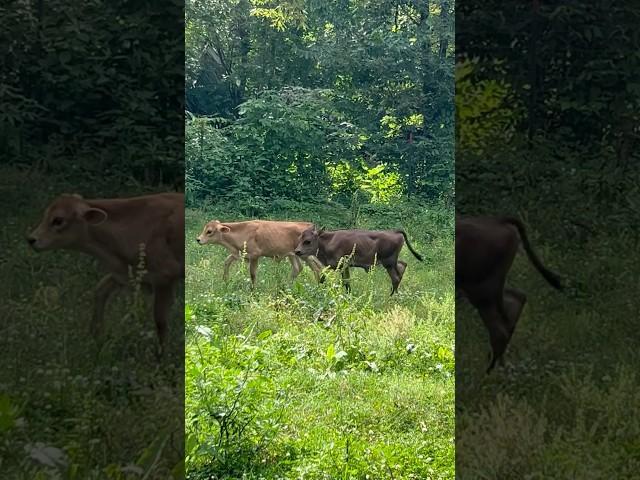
(300, 380)
(71, 407)
(563, 406)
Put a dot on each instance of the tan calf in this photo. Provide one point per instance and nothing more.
(114, 231)
(255, 239)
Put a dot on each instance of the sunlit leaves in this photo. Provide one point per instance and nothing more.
(394, 126)
(380, 184)
(486, 110)
(280, 14)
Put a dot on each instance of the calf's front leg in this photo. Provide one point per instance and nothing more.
(104, 290)
(163, 298)
(253, 267)
(296, 266)
(346, 278)
(227, 264)
(316, 267)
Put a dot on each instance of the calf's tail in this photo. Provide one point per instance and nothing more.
(406, 239)
(549, 276)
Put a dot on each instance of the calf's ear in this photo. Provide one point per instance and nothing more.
(225, 229)
(94, 216)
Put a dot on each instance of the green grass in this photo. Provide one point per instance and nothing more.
(299, 380)
(564, 405)
(69, 407)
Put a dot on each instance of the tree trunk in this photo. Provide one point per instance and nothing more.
(444, 31)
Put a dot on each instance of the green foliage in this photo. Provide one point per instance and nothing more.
(301, 379)
(512, 439)
(281, 140)
(556, 127)
(485, 111)
(8, 414)
(380, 186)
(92, 88)
(308, 85)
(227, 382)
(280, 15)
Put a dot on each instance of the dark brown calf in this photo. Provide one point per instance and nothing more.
(485, 250)
(363, 248)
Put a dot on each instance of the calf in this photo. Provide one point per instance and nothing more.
(485, 250)
(114, 231)
(363, 248)
(255, 239)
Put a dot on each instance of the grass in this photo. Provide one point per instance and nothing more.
(70, 407)
(563, 406)
(303, 381)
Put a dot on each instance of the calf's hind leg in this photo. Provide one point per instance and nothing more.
(498, 331)
(401, 267)
(514, 302)
(395, 276)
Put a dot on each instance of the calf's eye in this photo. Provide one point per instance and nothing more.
(57, 221)
(306, 242)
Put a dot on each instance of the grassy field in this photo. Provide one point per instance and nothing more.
(71, 408)
(301, 381)
(564, 405)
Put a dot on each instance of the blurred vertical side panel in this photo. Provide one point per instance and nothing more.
(91, 179)
(547, 264)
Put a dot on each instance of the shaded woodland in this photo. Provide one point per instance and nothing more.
(315, 101)
(547, 97)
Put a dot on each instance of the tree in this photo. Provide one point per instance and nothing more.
(386, 69)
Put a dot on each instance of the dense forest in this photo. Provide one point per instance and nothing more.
(312, 101)
(547, 97)
(81, 92)
(551, 91)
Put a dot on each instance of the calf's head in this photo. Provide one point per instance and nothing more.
(308, 242)
(65, 223)
(212, 232)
